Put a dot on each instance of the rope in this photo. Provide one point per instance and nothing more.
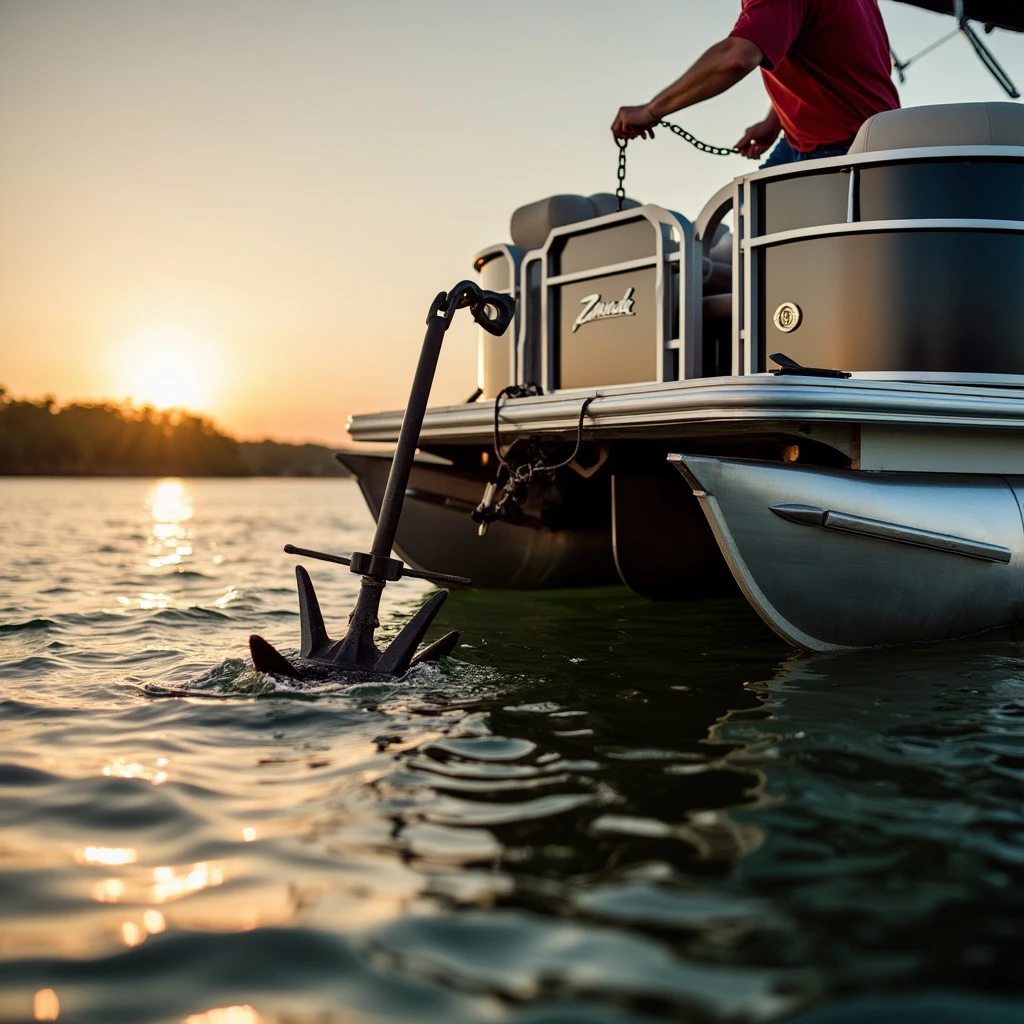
(508, 506)
(516, 472)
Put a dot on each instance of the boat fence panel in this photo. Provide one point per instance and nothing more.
(619, 299)
(905, 260)
(805, 201)
(602, 323)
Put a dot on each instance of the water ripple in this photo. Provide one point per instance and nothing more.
(601, 810)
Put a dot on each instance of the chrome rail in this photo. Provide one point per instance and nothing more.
(722, 400)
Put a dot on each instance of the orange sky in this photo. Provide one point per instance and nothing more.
(246, 206)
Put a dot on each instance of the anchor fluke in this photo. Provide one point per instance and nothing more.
(267, 658)
(438, 649)
(356, 654)
(398, 657)
(315, 641)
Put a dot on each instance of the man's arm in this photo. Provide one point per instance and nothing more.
(725, 64)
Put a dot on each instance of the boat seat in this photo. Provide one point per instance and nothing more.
(718, 264)
(532, 224)
(949, 124)
(608, 202)
(718, 307)
(717, 277)
(721, 248)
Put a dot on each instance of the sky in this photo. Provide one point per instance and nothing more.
(246, 206)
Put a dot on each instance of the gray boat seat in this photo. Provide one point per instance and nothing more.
(718, 264)
(949, 124)
(721, 248)
(608, 202)
(717, 277)
(718, 307)
(532, 224)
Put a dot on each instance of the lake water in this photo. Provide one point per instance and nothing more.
(600, 810)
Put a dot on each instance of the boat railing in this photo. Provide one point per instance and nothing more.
(885, 260)
(893, 260)
(498, 358)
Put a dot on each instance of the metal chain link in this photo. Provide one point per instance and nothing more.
(696, 143)
(620, 192)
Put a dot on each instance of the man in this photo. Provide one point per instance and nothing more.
(825, 64)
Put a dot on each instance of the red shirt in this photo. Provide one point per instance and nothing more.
(826, 65)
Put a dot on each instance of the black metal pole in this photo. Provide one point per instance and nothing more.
(357, 646)
(408, 438)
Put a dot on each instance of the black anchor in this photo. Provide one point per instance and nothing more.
(356, 655)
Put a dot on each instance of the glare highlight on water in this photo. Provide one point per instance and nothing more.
(170, 504)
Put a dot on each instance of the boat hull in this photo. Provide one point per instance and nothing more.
(436, 533)
(664, 549)
(841, 560)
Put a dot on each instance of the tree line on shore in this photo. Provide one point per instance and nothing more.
(40, 438)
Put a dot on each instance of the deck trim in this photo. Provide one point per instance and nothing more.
(721, 401)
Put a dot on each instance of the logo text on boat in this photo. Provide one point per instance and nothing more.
(595, 309)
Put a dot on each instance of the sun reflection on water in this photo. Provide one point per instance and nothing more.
(226, 1015)
(170, 505)
(45, 1005)
(110, 890)
(170, 884)
(119, 768)
(154, 922)
(163, 884)
(111, 856)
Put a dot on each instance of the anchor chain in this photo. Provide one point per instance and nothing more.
(620, 192)
(504, 500)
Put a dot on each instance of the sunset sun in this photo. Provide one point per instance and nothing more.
(167, 366)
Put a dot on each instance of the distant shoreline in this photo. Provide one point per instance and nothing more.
(40, 438)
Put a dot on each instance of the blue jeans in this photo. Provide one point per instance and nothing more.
(784, 153)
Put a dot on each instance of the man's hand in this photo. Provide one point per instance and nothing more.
(759, 138)
(634, 123)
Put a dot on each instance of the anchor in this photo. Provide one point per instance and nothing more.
(356, 655)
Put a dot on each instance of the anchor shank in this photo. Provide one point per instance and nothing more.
(357, 648)
(408, 439)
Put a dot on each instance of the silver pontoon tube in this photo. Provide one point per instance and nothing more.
(838, 560)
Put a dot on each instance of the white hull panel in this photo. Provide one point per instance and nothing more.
(841, 560)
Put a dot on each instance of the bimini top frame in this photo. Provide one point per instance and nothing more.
(1006, 14)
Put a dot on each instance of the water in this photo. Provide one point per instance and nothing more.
(601, 810)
